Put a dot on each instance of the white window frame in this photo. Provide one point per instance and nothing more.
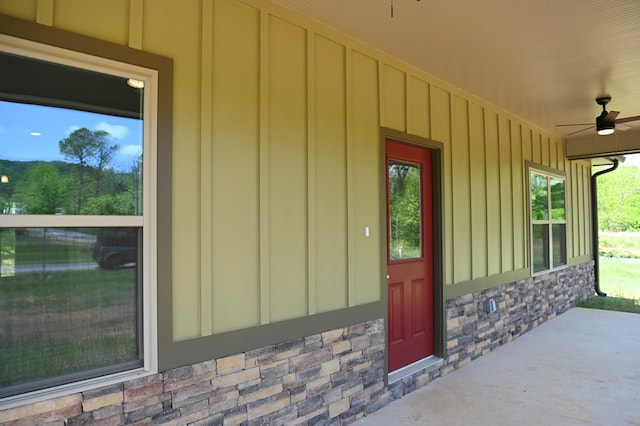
(147, 221)
(550, 221)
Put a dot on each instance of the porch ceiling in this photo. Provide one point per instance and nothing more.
(544, 60)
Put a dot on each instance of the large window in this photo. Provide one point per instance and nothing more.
(77, 218)
(548, 221)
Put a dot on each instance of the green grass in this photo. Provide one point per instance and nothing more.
(620, 277)
(611, 304)
(619, 244)
(619, 273)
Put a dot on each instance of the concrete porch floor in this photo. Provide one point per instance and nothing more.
(581, 368)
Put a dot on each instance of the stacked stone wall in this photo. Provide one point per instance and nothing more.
(330, 378)
(521, 306)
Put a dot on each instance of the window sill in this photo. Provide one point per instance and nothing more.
(548, 271)
(71, 388)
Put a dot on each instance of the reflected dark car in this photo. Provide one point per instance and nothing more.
(115, 250)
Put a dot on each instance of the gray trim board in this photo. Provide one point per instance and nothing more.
(467, 287)
(176, 354)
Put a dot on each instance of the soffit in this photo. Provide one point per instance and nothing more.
(542, 60)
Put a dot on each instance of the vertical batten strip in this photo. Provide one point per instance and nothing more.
(265, 270)
(136, 15)
(499, 192)
(586, 210)
(506, 195)
(448, 194)
(581, 197)
(382, 116)
(206, 233)
(486, 192)
(588, 217)
(518, 196)
(311, 176)
(575, 201)
(44, 12)
(351, 229)
(571, 207)
(470, 177)
(461, 189)
(407, 92)
(478, 233)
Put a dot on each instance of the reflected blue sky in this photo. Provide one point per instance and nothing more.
(32, 132)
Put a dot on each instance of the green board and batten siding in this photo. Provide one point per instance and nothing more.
(277, 161)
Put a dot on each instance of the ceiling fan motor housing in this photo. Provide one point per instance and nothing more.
(604, 125)
(605, 122)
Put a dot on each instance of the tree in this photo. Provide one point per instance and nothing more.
(91, 152)
(619, 200)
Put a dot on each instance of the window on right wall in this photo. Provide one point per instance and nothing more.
(548, 220)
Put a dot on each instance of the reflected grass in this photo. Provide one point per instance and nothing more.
(66, 322)
(33, 249)
(29, 359)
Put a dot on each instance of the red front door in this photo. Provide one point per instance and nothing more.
(409, 253)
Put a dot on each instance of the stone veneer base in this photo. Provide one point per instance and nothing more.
(334, 377)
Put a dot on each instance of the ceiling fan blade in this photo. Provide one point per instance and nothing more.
(575, 124)
(611, 116)
(622, 127)
(628, 119)
(581, 130)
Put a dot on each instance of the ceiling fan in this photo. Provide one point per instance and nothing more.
(606, 121)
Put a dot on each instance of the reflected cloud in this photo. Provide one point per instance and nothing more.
(71, 129)
(131, 150)
(115, 130)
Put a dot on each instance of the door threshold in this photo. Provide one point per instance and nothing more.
(423, 364)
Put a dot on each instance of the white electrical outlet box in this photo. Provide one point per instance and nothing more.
(491, 305)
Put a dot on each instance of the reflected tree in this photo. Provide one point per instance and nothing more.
(44, 192)
(91, 152)
(404, 210)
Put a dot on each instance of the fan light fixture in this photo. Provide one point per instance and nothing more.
(136, 84)
(606, 121)
(605, 127)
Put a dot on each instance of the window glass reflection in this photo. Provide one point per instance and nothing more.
(539, 197)
(58, 161)
(559, 244)
(405, 225)
(540, 247)
(64, 313)
(557, 199)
